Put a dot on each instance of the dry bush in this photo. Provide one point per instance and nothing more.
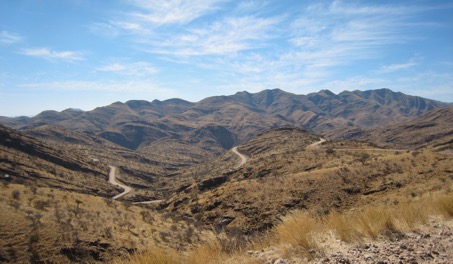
(220, 248)
(298, 230)
(343, 227)
(410, 215)
(209, 252)
(443, 204)
(154, 256)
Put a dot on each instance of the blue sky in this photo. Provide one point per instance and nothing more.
(85, 53)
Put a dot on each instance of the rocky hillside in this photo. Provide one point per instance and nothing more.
(26, 160)
(434, 128)
(289, 169)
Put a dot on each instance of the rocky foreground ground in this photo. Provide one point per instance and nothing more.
(432, 243)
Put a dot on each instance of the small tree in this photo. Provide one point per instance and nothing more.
(78, 202)
(16, 195)
(364, 157)
(330, 151)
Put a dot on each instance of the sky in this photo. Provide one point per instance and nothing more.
(59, 54)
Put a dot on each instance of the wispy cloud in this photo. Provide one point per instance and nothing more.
(159, 13)
(224, 37)
(8, 38)
(48, 54)
(261, 44)
(105, 29)
(398, 67)
(137, 69)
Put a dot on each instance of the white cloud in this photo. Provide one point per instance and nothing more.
(45, 53)
(137, 69)
(8, 38)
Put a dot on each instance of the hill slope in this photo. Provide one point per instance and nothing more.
(291, 169)
(434, 128)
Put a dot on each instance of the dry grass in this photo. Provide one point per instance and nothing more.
(372, 222)
(298, 230)
(301, 234)
(444, 205)
(154, 256)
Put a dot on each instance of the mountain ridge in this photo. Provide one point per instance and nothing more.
(140, 125)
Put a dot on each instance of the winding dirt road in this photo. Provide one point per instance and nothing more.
(241, 156)
(112, 180)
(127, 189)
(314, 145)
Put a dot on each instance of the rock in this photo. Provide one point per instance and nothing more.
(220, 225)
(343, 260)
(280, 261)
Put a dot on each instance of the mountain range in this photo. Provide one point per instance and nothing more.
(197, 132)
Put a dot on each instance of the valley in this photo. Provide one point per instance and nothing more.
(221, 178)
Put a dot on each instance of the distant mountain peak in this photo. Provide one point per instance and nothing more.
(326, 92)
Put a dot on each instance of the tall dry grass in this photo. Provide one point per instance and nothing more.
(301, 231)
(154, 256)
(444, 205)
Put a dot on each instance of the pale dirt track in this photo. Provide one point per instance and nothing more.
(127, 189)
(241, 156)
(112, 180)
(314, 145)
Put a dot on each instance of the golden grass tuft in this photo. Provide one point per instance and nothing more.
(154, 256)
(220, 248)
(444, 205)
(298, 230)
(209, 252)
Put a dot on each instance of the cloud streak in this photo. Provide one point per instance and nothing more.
(9, 38)
(136, 69)
(225, 37)
(158, 13)
(48, 54)
(259, 44)
(397, 67)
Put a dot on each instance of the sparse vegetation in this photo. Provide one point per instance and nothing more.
(292, 196)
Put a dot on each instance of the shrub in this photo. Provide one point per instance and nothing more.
(41, 205)
(16, 195)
